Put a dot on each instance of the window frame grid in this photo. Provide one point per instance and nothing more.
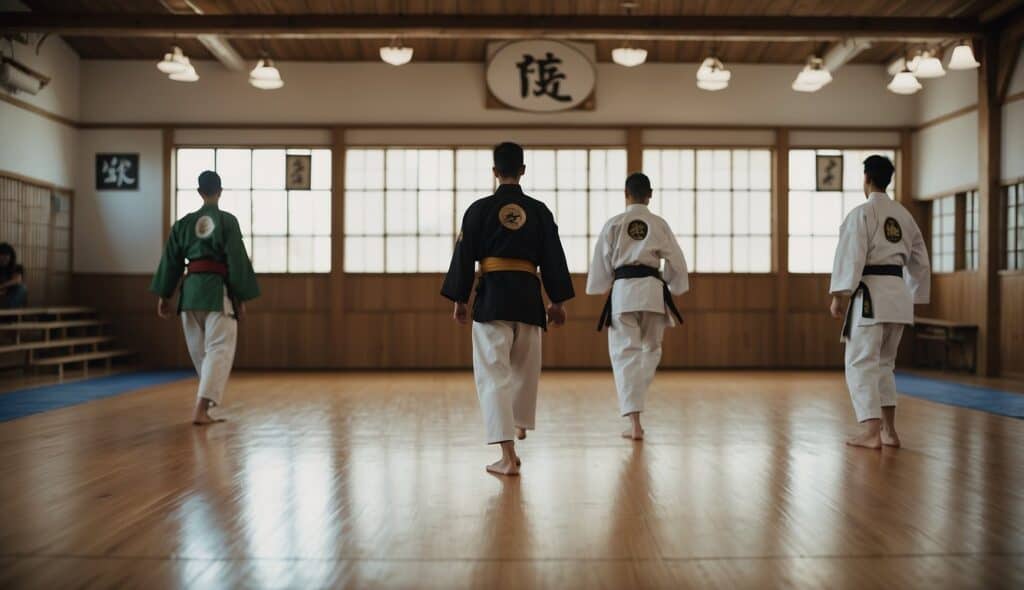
(938, 238)
(287, 222)
(457, 221)
(893, 191)
(691, 257)
(1013, 230)
(972, 231)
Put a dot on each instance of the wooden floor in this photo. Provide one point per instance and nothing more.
(377, 481)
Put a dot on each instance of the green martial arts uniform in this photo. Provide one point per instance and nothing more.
(206, 234)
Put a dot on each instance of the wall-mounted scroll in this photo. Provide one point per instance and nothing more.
(297, 172)
(117, 172)
(829, 173)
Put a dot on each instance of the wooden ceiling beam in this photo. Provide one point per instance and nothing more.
(580, 27)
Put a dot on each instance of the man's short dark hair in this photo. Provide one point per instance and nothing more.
(638, 185)
(879, 171)
(508, 158)
(209, 184)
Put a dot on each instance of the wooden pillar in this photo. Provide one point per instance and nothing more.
(989, 201)
(167, 134)
(780, 250)
(336, 330)
(634, 150)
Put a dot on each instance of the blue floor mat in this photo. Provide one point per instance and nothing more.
(994, 401)
(25, 402)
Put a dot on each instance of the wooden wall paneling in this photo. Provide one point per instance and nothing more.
(780, 239)
(1011, 334)
(990, 201)
(812, 336)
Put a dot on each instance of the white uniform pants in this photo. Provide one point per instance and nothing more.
(870, 361)
(634, 344)
(211, 338)
(506, 368)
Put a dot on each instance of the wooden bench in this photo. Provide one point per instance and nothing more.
(59, 312)
(948, 334)
(85, 357)
(58, 343)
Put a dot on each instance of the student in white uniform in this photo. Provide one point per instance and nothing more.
(628, 255)
(880, 272)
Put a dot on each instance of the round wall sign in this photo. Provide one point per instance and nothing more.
(540, 75)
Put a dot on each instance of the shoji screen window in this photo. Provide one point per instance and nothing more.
(815, 216)
(944, 234)
(284, 231)
(1014, 199)
(399, 210)
(718, 202)
(582, 187)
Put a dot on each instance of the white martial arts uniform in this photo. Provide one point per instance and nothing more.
(506, 368)
(211, 337)
(639, 314)
(878, 232)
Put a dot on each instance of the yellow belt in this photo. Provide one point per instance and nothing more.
(496, 264)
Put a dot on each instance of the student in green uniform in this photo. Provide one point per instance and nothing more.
(220, 279)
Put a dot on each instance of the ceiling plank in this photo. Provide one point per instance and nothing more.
(577, 27)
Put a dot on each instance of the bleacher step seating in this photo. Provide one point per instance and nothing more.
(57, 337)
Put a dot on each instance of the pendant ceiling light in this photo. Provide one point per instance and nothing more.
(396, 53)
(813, 77)
(712, 75)
(629, 56)
(963, 57)
(174, 62)
(927, 65)
(904, 82)
(265, 75)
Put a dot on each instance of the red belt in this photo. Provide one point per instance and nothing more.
(207, 266)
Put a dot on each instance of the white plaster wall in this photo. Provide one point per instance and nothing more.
(454, 93)
(119, 231)
(946, 156)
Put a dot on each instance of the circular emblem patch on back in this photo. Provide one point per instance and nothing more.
(512, 216)
(637, 229)
(892, 229)
(204, 227)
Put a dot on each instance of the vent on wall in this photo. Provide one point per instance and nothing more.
(15, 76)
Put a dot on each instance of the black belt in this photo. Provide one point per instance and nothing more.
(867, 310)
(636, 271)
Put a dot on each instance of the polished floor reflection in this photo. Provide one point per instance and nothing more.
(376, 480)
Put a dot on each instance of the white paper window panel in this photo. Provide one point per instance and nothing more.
(309, 254)
(473, 170)
(677, 208)
(190, 163)
(270, 253)
(364, 213)
(571, 213)
(309, 213)
(270, 212)
(576, 253)
(401, 255)
(235, 168)
(364, 254)
(268, 169)
(607, 169)
(364, 169)
(239, 204)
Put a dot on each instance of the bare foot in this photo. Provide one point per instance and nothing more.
(633, 433)
(890, 438)
(520, 433)
(204, 419)
(504, 467)
(869, 439)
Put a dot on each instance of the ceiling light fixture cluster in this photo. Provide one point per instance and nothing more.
(813, 77)
(629, 56)
(396, 53)
(926, 64)
(177, 66)
(712, 75)
(265, 75)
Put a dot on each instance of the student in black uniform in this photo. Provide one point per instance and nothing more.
(511, 235)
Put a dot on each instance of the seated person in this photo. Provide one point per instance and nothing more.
(13, 292)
